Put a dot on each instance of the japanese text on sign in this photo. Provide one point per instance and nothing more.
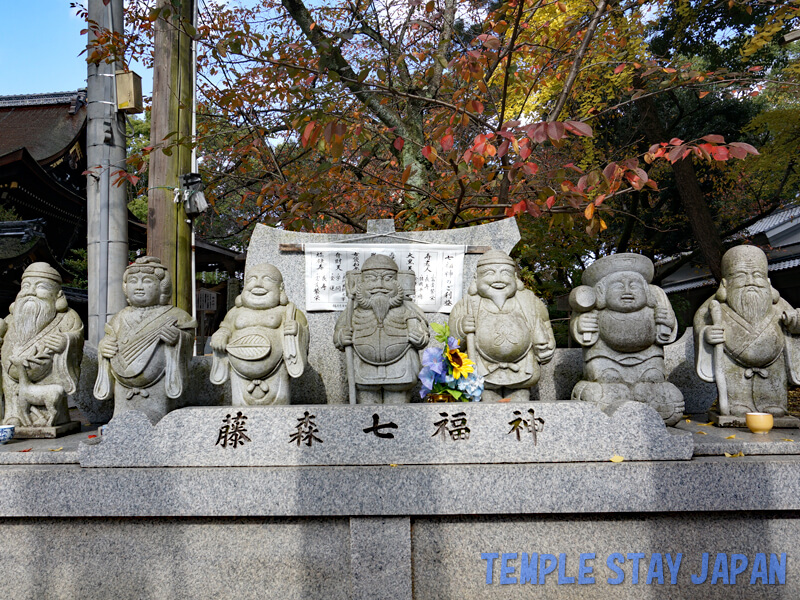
(439, 270)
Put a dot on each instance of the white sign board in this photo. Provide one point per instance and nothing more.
(439, 269)
(206, 300)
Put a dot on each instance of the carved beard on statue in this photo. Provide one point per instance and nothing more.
(380, 304)
(750, 302)
(499, 297)
(31, 315)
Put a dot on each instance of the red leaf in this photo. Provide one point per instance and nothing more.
(398, 144)
(551, 201)
(502, 149)
(534, 210)
(304, 139)
(610, 172)
(714, 139)
(429, 152)
(531, 168)
(406, 174)
(737, 152)
(579, 128)
(744, 146)
(619, 69)
(702, 95)
(447, 143)
(720, 153)
(555, 130)
(675, 142)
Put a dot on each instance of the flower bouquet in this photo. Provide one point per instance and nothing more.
(448, 370)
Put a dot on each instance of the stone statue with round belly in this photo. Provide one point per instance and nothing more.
(42, 346)
(143, 358)
(262, 341)
(505, 327)
(623, 324)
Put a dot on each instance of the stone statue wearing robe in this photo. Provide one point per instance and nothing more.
(505, 327)
(144, 356)
(381, 333)
(746, 338)
(623, 323)
(42, 347)
(261, 342)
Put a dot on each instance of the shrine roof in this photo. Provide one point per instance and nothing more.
(44, 124)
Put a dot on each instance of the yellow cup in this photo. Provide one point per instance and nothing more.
(759, 422)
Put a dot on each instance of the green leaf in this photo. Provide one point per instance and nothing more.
(442, 332)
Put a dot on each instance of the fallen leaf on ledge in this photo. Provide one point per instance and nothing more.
(731, 437)
(26, 450)
(56, 449)
(701, 433)
(787, 440)
(617, 458)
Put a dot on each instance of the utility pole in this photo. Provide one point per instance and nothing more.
(169, 232)
(107, 222)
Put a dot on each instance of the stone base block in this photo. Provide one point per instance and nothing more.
(787, 422)
(412, 434)
(24, 433)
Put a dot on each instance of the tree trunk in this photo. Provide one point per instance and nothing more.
(692, 198)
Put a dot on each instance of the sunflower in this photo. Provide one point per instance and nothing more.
(462, 366)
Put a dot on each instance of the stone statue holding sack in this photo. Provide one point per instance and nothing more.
(746, 338)
(262, 341)
(623, 323)
(42, 347)
(381, 333)
(144, 356)
(506, 329)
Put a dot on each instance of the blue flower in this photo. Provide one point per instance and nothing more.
(433, 359)
(452, 343)
(427, 378)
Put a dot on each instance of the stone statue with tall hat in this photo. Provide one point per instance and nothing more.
(623, 322)
(143, 357)
(381, 333)
(505, 328)
(746, 340)
(42, 347)
(262, 342)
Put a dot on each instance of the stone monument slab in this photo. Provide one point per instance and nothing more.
(418, 434)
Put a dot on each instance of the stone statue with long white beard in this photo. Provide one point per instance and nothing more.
(41, 356)
(746, 338)
(381, 333)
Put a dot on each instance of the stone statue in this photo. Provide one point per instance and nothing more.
(380, 332)
(42, 347)
(262, 341)
(506, 329)
(143, 358)
(623, 323)
(745, 337)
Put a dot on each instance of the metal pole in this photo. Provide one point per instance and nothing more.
(106, 203)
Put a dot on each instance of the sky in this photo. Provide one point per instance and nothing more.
(40, 48)
(40, 42)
